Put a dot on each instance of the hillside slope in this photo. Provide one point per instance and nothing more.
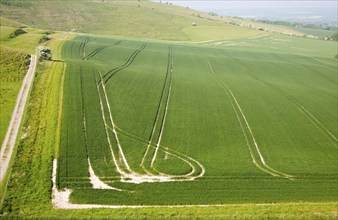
(139, 19)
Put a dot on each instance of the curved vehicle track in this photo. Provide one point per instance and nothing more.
(246, 129)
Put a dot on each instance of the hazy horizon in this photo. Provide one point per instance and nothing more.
(316, 12)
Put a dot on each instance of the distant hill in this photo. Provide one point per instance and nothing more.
(139, 19)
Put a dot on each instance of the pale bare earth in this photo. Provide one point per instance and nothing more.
(60, 200)
(129, 175)
(14, 125)
(95, 181)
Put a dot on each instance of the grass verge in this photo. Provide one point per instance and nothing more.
(13, 67)
(30, 178)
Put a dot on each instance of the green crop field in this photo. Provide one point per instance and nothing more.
(316, 32)
(172, 124)
(142, 115)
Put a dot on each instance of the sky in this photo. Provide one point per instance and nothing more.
(201, 4)
(292, 10)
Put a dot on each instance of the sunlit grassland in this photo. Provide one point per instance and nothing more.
(14, 63)
(203, 32)
(6, 32)
(10, 23)
(138, 19)
(29, 182)
(13, 67)
(25, 42)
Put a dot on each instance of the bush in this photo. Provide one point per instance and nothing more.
(44, 39)
(335, 36)
(17, 32)
(45, 53)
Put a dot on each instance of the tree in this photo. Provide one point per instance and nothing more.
(45, 53)
(335, 36)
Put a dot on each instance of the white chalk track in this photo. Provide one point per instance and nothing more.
(13, 128)
(60, 199)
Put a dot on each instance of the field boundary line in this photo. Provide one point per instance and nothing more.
(60, 104)
(59, 115)
(66, 125)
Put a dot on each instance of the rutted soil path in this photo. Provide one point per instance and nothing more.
(14, 125)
